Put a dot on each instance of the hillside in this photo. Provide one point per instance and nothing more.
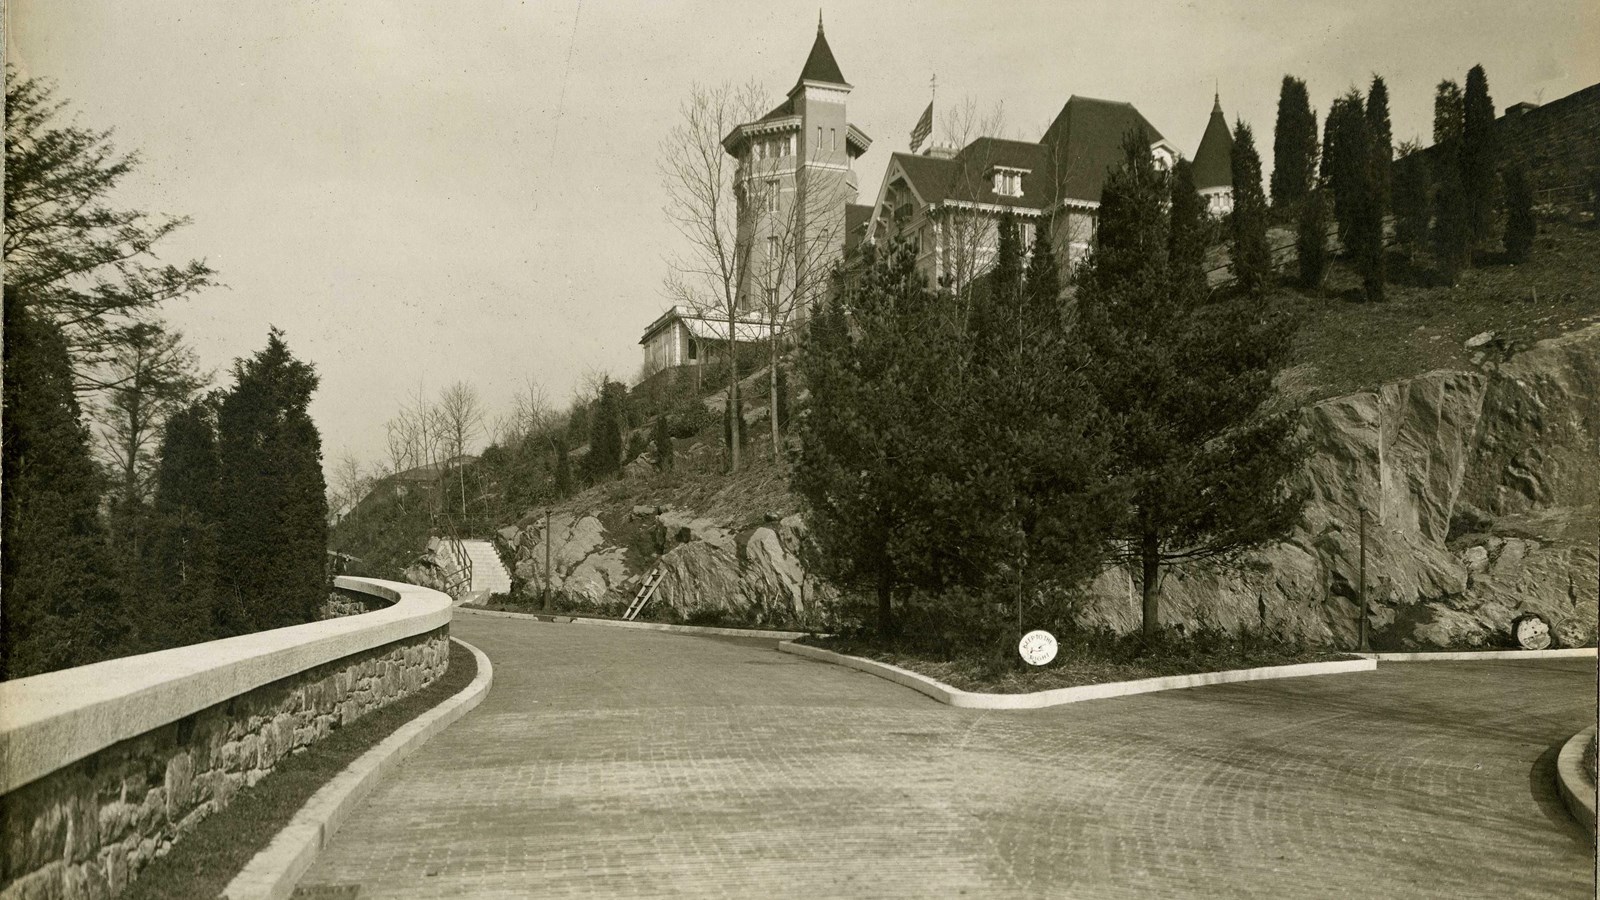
(1424, 407)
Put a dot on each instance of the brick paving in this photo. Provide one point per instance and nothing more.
(614, 763)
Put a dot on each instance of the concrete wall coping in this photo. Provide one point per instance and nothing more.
(954, 696)
(716, 631)
(50, 721)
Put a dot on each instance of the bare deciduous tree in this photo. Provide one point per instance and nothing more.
(703, 204)
(459, 422)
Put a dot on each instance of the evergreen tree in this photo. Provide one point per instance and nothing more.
(1381, 136)
(1480, 155)
(1252, 258)
(890, 498)
(1294, 145)
(187, 517)
(1186, 242)
(1520, 225)
(1311, 240)
(62, 606)
(273, 540)
(1412, 190)
(1345, 162)
(1452, 229)
(1448, 113)
(563, 468)
(1203, 460)
(662, 438)
(605, 432)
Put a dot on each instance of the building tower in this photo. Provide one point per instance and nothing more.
(795, 177)
(1213, 163)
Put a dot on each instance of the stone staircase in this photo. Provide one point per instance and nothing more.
(481, 560)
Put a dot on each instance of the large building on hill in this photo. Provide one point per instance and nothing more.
(797, 190)
(948, 201)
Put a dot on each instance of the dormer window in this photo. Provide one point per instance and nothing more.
(1008, 181)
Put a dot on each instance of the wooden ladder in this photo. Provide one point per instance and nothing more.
(646, 591)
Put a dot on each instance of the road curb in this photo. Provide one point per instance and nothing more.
(952, 696)
(643, 626)
(273, 873)
(1577, 789)
(1469, 655)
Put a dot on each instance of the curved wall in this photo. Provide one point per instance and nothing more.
(103, 766)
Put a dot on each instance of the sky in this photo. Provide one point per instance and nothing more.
(423, 193)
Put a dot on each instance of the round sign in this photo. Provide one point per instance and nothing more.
(1532, 632)
(1037, 648)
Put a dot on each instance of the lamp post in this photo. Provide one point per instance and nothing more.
(1361, 584)
(544, 602)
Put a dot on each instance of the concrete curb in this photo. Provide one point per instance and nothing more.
(643, 626)
(1576, 787)
(273, 873)
(1468, 655)
(944, 693)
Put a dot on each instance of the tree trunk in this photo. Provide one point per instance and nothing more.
(885, 610)
(734, 412)
(772, 404)
(1150, 560)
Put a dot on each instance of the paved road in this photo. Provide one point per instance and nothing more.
(616, 763)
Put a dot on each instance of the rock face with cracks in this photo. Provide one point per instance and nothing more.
(1482, 492)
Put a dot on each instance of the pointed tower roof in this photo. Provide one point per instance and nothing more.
(820, 65)
(1213, 162)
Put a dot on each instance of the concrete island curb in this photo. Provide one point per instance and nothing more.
(952, 696)
(1577, 789)
(642, 626)
(273, 873)
(1470, 655)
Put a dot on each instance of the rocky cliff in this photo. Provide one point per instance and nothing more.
(1482, 492)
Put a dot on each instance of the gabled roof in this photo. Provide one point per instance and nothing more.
(820, 65)
(1085, 143)
(1213, 162)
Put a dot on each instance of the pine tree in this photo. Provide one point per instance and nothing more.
(883, 472)
(1412, 190)
(1520, 225)
(1252, 258)
(1294, 145)
(1203, 461)
(1480, 155)
(62, 606)
(273, 540)
(1186, 242)
(1345, 162)
(1311, 240)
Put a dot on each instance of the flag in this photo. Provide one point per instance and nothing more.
(923, 129)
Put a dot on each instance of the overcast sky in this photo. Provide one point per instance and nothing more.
(418, 193)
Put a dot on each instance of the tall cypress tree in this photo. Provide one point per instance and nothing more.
(1203, 462)
(1381, 135)
(1186, 241)
(1520, 225)
(1479, 155)
(1412, 191)
(1252, 258)
(273, 540)
(1373, 186)
(605, 431)
(1452, 229)
(1311, 240)
(1294, 144)
(62, 606)
(187, 518)
(1345, 161)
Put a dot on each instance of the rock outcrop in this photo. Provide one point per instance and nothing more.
(1482, 492)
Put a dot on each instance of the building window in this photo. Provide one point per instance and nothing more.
(833, 139)
(772, 195)
(791, 145)
(694, 350)
(1008, 182)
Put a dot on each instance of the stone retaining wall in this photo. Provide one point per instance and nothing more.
(86, 829)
